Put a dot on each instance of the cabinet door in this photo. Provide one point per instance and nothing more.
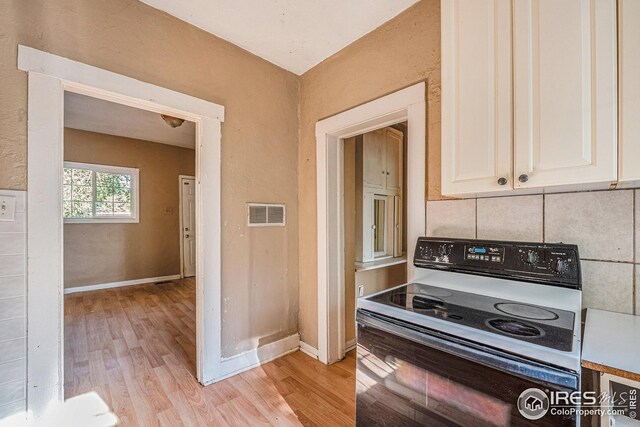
(564, 92)
(367, 227)
(373, 154)
(629, 91)
(394, 146)
(476, 96)
(397, 222)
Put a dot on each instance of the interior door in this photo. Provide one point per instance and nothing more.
(476, 96)
(393, 143)
(373, 154)
(564, 92)
(188, 226)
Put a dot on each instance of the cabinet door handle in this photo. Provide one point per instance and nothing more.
(502, 181)
(523, 178)
(387, 173)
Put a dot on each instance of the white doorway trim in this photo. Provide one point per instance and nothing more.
(49, 77)
(404, 105)
(180, 210)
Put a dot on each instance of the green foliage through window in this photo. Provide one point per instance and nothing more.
(96, 194)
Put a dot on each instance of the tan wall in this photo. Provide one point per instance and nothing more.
(401, 52)
(104, 253)
(259, 142)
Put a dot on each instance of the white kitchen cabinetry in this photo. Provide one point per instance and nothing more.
(629, 91)
(393, 159)
(382, 159)
(476, 96)
(374, 163)
(554, 122)
(379, 184)
(565, 112)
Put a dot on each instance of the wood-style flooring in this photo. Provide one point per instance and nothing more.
(135, 347)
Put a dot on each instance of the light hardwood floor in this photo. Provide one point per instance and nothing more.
(135, 347)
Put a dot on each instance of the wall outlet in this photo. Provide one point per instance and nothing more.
(7, 208)
(360, 291)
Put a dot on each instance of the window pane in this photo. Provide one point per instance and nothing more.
(122, 195)
(81, 177)
(81, 194)
(82, 210)
(122, 209)
(93, 194)
(66, 180)
(103, 209)
(122, 180)
(66, 192)
(379, 225)
(68, 209)
(104, 179)
(104, 194)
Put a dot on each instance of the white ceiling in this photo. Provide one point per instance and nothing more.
(294, 34)
(96, 115)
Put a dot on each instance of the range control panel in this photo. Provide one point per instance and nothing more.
(552, 264)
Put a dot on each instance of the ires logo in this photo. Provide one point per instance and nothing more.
(534, 403)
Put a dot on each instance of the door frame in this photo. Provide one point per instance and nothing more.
(408, 104)
(49, 76)
(180, 178)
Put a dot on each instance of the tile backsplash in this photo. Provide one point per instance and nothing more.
(13, 307)
(604, 224)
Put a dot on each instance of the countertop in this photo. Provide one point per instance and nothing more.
(381, 263)
(612, 343)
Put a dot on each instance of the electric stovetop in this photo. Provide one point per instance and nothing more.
(547, 327)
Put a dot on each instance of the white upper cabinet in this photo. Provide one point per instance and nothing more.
(529, 95)
(382, 160)
(476, 96)
(394, 146)
(629, 89)
(565, 112)
(374, 167)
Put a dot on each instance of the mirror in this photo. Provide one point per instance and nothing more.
(379, 211)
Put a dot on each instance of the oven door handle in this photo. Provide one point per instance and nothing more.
(486, 356)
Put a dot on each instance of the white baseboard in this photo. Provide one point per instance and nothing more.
(308, 350)
(253, 358)
(120, 284)
(350, 345)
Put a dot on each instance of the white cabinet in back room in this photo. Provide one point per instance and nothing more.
(379, 184)
(476, 96)
(529, 95)
(629, 90)
(394, 147)
(374, 167)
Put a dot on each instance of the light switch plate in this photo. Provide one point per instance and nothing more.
(360, 291)
(7, 208)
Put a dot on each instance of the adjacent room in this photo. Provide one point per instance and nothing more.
(319, 213)
(129, 212)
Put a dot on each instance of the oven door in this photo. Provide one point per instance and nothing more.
(411, 376)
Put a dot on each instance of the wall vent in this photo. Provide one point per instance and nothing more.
(265, 215)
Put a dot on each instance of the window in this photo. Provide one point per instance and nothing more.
(99, 193)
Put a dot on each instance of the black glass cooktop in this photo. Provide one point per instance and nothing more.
(548, 327)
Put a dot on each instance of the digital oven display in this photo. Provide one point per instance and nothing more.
(484, 253)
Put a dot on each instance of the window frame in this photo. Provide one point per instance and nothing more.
(134, 218)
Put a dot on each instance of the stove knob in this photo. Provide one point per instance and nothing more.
(532, 257)
(444, 250)
(561, 266)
